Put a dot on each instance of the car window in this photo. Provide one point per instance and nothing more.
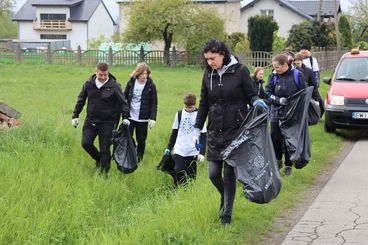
(351, 69)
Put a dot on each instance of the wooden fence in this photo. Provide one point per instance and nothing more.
(326, 59)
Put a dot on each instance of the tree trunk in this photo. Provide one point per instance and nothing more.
(319, 10)
(168, 40)
(338, 46)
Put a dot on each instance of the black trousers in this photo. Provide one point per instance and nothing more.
(104, 133)
(226, 185)
(279, 143)
(140, 135)
(185, 168)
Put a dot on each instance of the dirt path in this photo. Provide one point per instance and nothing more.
(283, 224)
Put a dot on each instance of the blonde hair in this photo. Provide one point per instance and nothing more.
(256, 70)
(139, 69)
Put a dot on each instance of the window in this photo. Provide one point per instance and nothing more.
(268, 12)
(53, 36)
(53, 16)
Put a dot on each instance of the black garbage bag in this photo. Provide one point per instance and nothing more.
(314, 112)
(294, 127)
(124, 150)
(253, 157)
(167, 165)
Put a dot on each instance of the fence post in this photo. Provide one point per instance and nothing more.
(48, 55)
(110, 58)
(18, 54)
(141, 54)
(79, 55)
(174, 58)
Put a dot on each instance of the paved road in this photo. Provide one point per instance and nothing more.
(339, 214)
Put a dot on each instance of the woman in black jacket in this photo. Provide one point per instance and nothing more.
(226, 92)
(141, 94)
(258, 82)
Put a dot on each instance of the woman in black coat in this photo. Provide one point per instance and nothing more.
(227, 90)
(141, 94)
(258, 82)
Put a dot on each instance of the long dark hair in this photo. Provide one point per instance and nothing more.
(217, 46)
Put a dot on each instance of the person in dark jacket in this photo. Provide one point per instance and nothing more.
(258, 81)
(311, 80)
(106, 102)
(227, 90)
(186, 154)
(142, 99)
(281, 85)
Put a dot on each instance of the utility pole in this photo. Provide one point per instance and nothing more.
(319, 10)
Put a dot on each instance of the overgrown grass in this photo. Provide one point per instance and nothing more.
(50, 193)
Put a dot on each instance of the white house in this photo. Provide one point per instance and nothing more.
(286, 13)
(76, 20)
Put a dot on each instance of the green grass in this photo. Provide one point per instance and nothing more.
(50, 193)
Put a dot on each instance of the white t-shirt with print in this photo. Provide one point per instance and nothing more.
(184, 145)
(135, 104)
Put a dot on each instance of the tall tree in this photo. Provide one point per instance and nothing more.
(158, 20)
(345, 31)
(359, 13)
(6, 6)
(319, 10)
(336, 17)
(260, 32)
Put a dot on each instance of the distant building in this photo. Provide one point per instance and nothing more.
(76, 20)
(286, 13)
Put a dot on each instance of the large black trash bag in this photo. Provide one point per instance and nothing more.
(124, 150)
(314, 112)
(294, 127)
(253, 157)
(167, 165)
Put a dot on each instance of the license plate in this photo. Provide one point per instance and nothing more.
(359, 115)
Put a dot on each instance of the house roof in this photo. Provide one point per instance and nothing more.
(80, 10)
(311, 7)
(305, 8)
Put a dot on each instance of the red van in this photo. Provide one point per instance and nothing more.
(346, 103)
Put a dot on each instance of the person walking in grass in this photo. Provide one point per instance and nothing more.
(142, 99)
(281, 85)
(310, 61)
(226, 94)
(105, 103)
(186, 154)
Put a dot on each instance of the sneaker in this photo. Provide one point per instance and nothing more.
(288, 171)
(279, 164)
(225, 220)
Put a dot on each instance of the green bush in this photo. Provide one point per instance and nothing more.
(260, 32)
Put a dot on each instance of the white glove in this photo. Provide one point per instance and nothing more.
(152, 123)
(200, 158)
(75, 122)
(126, 122)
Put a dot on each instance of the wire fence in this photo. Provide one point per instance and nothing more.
(326, 59)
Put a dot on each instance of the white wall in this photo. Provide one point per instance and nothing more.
(52, 10)
(78, 35)
(100, 24)
(26, 31)
(284, 16)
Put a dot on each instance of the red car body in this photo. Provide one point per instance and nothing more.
(346, 103)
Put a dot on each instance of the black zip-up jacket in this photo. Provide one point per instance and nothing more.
(149, 101)
(258, 87)
(311, 81)
(225, 104)
(104, 104)
(285, 86)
